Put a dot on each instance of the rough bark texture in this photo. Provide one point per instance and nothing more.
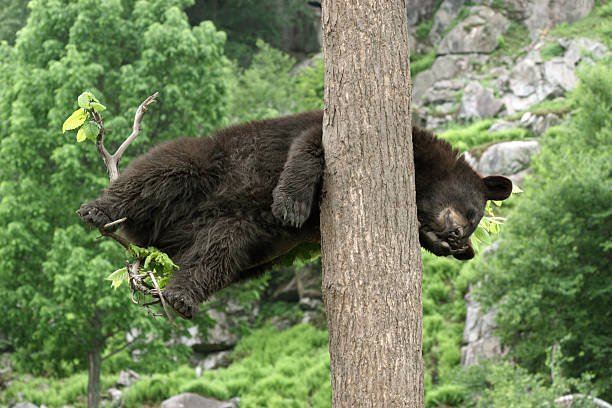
(371, 257)
(93, 386)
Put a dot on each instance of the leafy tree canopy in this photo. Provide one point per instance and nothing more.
(56, 305)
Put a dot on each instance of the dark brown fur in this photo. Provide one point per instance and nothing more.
(225, 207)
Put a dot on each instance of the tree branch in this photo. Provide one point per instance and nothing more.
(118, 350)
(136, 279)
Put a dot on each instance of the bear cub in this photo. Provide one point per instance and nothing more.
(224, 207)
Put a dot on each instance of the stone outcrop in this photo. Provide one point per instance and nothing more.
(479, 339)
(478, 102)
(448, 11)
(478, 33)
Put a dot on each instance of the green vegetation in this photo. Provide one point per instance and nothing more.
(271, 369)
(552, 268)
(476, 134)
(551, 50)
(421, 62)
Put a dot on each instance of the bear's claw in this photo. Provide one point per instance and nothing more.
(290, 210)
(184, 307)
(93, 215)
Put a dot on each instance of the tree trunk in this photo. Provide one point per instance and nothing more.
(93, 386)
(369, 240)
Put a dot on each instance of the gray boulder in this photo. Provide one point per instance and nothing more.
(542, 14)
(127, 377)
(419, 10)
(478, 33)
(444, 67)
(511, 159)
(478, 102)
(25, 405)
(190, 400)
(479, 339)
(448, 11)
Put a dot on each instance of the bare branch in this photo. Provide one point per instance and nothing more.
(117, 350)
(135, 131)
(116, 222)
(569, 399)
(161, 297)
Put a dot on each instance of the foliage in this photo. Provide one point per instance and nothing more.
(502, 385)
(552, 268)
(56, 307)
(477, 134)
(265, 88)
(597, 25)
(13, 16)
(551, 50)
(248, 21)
(270, 369)
(421, 62)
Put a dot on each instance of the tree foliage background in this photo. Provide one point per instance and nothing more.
(57, 306)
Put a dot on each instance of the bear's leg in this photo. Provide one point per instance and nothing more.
(294, 195)
(215, 260)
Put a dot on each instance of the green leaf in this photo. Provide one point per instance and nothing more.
(84, 99)
(98, 107)
(81, 135)
(91, 130)
(75, 120)
(118, 277)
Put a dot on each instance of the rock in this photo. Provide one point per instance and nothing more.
(479, 340)
(127, 377)
(478, 102)
(190, 400)
(310, 304)
(478, 33)
(510, 159)
(444, 67)
(25, 405)
(501, 126)
(219, 338)
(419, 10)
(281, 323)
(448, 11)
(287, 292)
(580, 49)
(210, 361)
(115, 395)
(560, 75)
(309, 281)
(541, 14)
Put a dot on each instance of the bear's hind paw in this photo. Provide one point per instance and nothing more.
(183, 306)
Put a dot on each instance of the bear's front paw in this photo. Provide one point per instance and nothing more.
(93, 215)
(292, 210)
(182, 304)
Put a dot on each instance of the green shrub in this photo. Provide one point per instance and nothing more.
(449, 394)
(552, 268)
(551, 50)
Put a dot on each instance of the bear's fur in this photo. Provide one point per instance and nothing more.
(225, 207)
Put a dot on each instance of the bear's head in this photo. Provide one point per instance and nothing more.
(449, 211)
(450, 195)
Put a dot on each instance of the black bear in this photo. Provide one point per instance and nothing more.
(225, 207)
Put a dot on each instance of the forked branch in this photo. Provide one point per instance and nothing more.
(136, 279)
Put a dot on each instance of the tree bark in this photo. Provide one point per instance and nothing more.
(369, 239)
(93, 386)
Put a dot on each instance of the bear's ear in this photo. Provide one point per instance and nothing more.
(497, 187)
